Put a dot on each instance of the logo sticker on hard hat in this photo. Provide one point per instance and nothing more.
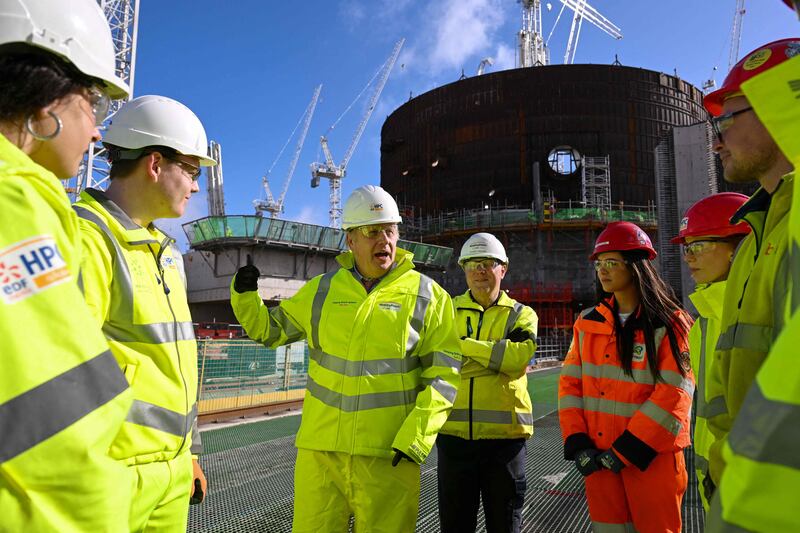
(757, 59)
(792, 49)
(684, 223)
(376, 207)
(641, 237)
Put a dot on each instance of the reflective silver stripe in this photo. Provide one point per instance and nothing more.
(700, 462)
(280, 321)
(714, 407)
(663, 418)
(701, 371)
(567, 402)
(780, 295)
(658, 337)
(601, 405)
(155, 333)
(440, 359)
(491, 417)
(498, 352)
(767, 431)
(676, 379)
(746, 337)
(45, 410)
(642, 377)
(447, 390)
(602, 527)
(374, 367)
(362, 402)
(513, 315)
(417, 321)
(580, 342)
(145, 241)
(316, 308)
(161, 418)
(525, 419)
(573, 371)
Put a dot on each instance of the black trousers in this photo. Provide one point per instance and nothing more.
(488, 470)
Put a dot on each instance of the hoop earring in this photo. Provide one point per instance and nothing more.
(29, 127)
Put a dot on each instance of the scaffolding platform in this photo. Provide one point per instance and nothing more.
(250, 469)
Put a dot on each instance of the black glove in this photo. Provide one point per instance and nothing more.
(197, 495)
(246, 277)
(518, 335)
(708, 487)
(586, 461)
(399, 455)
(608, 459)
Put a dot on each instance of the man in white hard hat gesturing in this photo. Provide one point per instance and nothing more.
(383, 373)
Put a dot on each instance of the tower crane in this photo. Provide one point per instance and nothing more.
(269, 204)
(582, 10)
(736, 34)
(330, 170)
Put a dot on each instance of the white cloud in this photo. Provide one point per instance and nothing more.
(462, 29)
(353, 12)
(505, 58)
(310, 214)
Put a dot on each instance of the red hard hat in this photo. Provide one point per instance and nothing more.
(622, 236)
(754, 63)
(711, 217)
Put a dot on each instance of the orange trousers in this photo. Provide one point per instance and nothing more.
(645, 502)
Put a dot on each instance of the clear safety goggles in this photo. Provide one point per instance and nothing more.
(480, 264)
(723, 122)
(375, 230)
(699, 247)
(192, 171)
(100, 103)
(608, 264)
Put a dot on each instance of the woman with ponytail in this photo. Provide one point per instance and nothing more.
(625, 391)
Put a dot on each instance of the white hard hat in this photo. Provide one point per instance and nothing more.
(159, 121)
(369, 204)
(483, 245)
(75, 30)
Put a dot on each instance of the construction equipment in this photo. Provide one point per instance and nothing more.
(123, 19)
(269, 204)
(331, 170)
(582, 10)
(532, 50)
(487, 61)
(736, 34)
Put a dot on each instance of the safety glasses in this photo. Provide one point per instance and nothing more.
(699, 247)
(723, 122)
(480, 264)
(192, 171)
(100, 103)
(608, 264)
(375, 230)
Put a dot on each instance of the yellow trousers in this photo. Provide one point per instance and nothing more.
(329, 487)
(161, 494)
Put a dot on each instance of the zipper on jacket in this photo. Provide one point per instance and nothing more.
(163, 281)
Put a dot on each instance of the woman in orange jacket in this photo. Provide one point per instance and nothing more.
(625, 391)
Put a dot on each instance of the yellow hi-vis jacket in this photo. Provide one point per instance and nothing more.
(753, 311)
(759, 489)
(384, 366)
(134, 283)
(709, 400)
(62, 396)
(493, 400)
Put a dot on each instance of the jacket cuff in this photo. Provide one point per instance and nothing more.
(575, 443)
(634, 450)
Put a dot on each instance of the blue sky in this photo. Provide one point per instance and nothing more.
(248, 68)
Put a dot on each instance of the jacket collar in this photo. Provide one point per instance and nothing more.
(467, 301)
(403, 262)
(122, 224)
(708, 299)
(763, 210)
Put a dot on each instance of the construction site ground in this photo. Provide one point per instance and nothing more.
(250, 471)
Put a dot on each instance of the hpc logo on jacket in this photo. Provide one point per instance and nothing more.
(29, 267)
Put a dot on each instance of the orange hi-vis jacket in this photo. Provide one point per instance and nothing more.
(599, 406)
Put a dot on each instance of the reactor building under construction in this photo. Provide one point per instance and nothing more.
(543, 158)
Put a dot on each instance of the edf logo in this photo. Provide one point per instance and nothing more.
(29, 267)
(40, 260)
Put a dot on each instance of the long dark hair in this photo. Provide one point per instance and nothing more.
(658, 307)
(31, 80)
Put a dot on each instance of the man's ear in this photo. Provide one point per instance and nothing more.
(152, 165)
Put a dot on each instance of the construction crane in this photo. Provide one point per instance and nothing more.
(330, 170)
(485, 62)
(736, 34)
(582, 10)
(123, 19)
(532, 50)
(269, 204)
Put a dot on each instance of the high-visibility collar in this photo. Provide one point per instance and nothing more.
(467, 301)
(708, 298)
(763, 206)
(122, 224)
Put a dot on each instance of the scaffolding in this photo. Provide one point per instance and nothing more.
(596, 182)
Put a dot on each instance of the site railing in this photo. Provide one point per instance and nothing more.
(236, 229)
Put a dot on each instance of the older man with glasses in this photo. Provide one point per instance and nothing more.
(757, 286)
(482, 445)
(134, 284)
(383, 373)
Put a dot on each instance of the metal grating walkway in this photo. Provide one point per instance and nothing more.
(251, 484)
